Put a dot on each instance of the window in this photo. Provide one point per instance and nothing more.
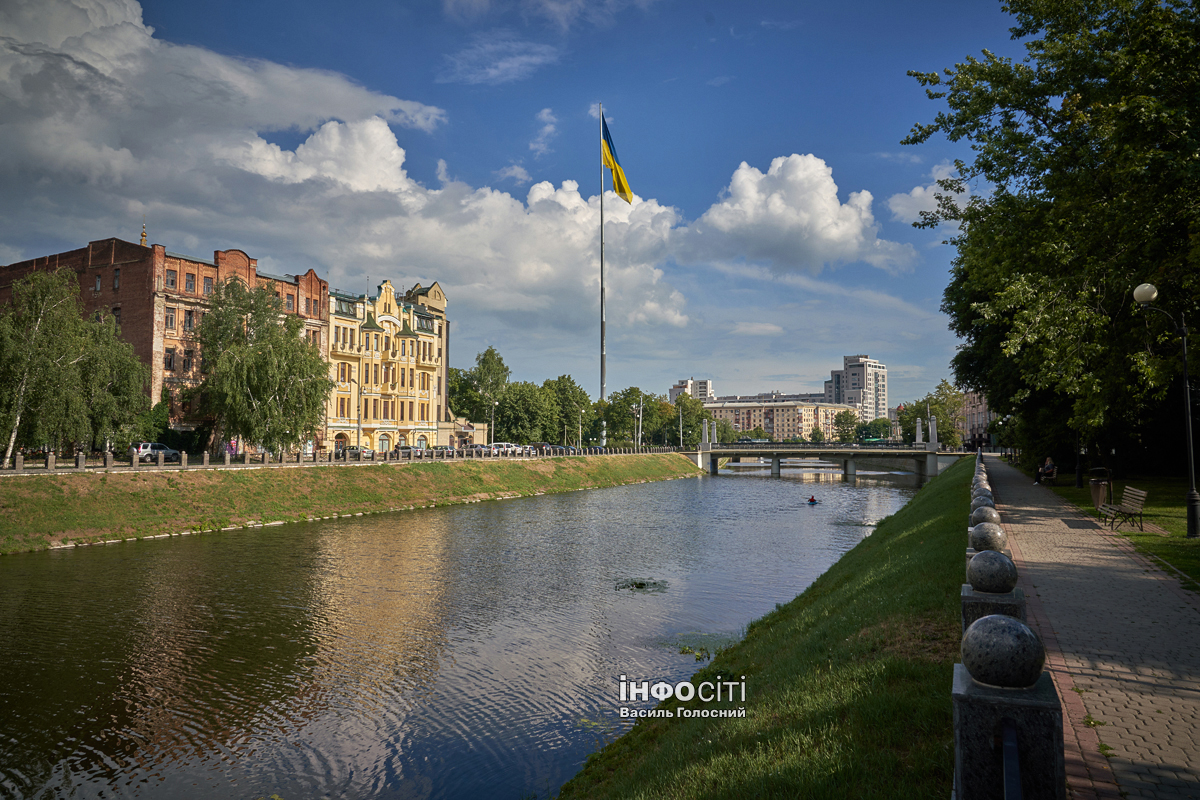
(97, 282)
(208, 286)
(387, 343)
(189, 284)
(116, 279)
(375, 408)
(117, 315)
(169, 323)
(189, 319)
(411, 380)
(376, 374)
(342, 373)
(187, 360)
(403, 347)
(307, 309)
(344, 307)
(291, 302)
(410, 409)
(366, 409)
(169, 359)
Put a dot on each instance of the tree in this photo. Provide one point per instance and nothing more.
(527, 413)
(945, 403)
(844, 425)
(693, 413)
(570, 401)
(262, 381)
(1090, 149)
(816, 435)
(880, 428)
(63, 379)
(725, 431)
(472, 393)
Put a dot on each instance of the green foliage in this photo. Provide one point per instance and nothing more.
(573, 409)
(945, 403)
(472, 393)
(262, 380)
(875, 429)
(64, 380)
(816, 435)
(844, 425)
(527, 413)
(693, 415)
(1091, 155)
(725, 431)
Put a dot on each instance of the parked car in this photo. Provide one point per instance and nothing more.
(148, 451)
(355, 453)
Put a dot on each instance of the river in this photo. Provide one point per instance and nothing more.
(458, 652)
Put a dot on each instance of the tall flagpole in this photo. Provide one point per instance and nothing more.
(603, 384)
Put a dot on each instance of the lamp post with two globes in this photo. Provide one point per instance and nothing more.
(1145, 295)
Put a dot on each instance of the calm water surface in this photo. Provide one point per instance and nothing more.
(461, 652)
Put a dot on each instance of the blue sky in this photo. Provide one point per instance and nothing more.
(457, 141)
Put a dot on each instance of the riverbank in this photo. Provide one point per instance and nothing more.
(43, 511)
(847, 686)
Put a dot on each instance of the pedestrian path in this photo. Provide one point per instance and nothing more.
(1123, 646)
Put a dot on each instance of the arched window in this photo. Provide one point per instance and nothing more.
(422, 443)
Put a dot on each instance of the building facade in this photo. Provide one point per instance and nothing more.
(158, 298)
(861, 382)
(701, 390)
(975, 420)
(387, 357)
(780, 418)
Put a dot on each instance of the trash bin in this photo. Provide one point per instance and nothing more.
(1099, 491)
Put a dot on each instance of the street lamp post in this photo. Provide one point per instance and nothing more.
(1145, 295)
(492, 427)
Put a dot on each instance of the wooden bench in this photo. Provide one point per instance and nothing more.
(1051, 477)
(1130, 506)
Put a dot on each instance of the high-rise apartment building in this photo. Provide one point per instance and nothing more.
(861, 382)
(701, 390)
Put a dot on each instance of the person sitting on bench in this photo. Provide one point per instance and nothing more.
(1046, 470)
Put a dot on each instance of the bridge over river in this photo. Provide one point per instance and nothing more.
(921, 458)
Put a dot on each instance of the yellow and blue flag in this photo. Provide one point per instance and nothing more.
(609, 154)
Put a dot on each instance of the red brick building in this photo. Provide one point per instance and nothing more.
(158, 297)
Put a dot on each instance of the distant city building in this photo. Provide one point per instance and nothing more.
(780, 418)
(701, 390)
(861, 382)
(975, 419)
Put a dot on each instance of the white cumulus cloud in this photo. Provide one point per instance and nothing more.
(790, 217)
(549, 129)
(907, 207)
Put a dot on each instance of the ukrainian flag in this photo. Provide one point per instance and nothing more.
(609, 154)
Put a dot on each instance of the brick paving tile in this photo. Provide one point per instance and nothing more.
(1122, 645)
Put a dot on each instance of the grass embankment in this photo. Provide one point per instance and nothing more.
(39, 511)
(848, 685)
(1165, 507)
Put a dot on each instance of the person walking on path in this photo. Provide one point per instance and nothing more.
(1122, 643)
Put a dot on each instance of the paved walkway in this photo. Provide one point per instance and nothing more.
(1122, 641)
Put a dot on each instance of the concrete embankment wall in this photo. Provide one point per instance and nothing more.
(38, 512)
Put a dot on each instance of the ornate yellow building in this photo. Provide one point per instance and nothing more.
(388, 356)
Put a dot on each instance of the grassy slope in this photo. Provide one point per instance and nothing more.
(37, 511)
(848, 685)
(1165, 507)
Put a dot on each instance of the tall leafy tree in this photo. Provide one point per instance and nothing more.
(527, 413)
(844, 424)
(573, 406)
(473, 392)
(693, 413)
(945, 403)
(64, 379)
(1089, 151)
(262, 380)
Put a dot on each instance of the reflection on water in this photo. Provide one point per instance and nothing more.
(462, 652)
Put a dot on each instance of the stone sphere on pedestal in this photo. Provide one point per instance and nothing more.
(1003, 651)
(988, 536)
(992, 571)
(984, 514)
(979, 502)
(982, 491)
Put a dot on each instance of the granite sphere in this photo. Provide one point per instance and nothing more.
(979, 502)
(1003, 651)
(981, 484)
(992, 571)
(988, 536)
(982, 491)
(984, 514)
